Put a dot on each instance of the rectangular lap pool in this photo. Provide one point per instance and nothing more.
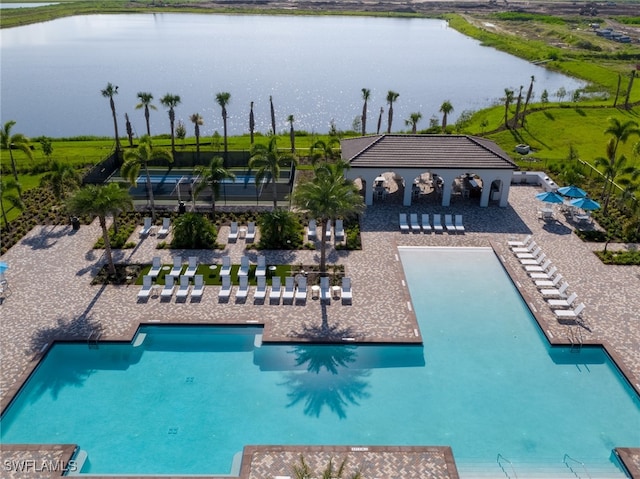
(187, 399)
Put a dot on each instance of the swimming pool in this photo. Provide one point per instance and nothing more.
(186, 400)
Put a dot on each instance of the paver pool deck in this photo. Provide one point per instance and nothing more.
(51, 298)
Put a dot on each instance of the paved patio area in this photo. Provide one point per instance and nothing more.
(51, 269)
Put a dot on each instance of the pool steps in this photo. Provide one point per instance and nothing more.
(530, 470)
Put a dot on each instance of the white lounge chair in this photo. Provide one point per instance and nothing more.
(525, 249)
(339, 231)
(233, 231)
(251, 231)
(555, 292)
(276, 290)
(166, 223)
(244, 266)
(404, 225)
(261, 269)
(458, 223)
(562, 303)
(327, 233)
(243, 288)
(169, 286)
(192, 267)
(289, 289)
(533, 255)
(198, 286)
(544, 274)
(225, 290)
(448, 223)
(312, 230)
(426, 225)
(146, 227)
(261, 288)
(520, 244)
(325, 289)
(147, 284)
(547, 283)
(301, 291)
(156, 267)
(183, 289)
(533, 261)
(345, 293)
(413, 220)
(437, 223)
(177, 266)
(225, 270)
(569, 313)
(538, 268)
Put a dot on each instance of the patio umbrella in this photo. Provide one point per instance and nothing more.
(3, 267)
(572, 192)
(550, 197)
(586, 204)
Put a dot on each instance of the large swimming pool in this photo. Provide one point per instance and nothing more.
(187, 399)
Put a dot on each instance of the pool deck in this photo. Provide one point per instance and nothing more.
(52, 299)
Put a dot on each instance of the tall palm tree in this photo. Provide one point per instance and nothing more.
(518, 103)
(391, 97)
(614, 167)
(527, 99)
(140, 158)
(268, 161)
(292, 134)
(127, 125)
(445, 109)
(328, 196)
(508, 99)
(197, 121)
(413, 120)
(171, 101)
(252, 122)
(366, 94)
(379, 120)
(212, 175)
(11, 192)
(273, 116)
(101, 201)
(109, 92)
(18, 141)
(145, 102)
(62, 177)
(223, 99)
(621, 131)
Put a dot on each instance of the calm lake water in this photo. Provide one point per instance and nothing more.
(314, 67)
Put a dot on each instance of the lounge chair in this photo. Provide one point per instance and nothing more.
(404, 226)
(192, 267)
(312, 230)
(243, 288)
(225, 270)
(547, 283)
(345, 293)
(544, 274)
(327, 233)
(198, 286)
(533, 261)
(301, 291)
(437, 223)
(183, 289)
(233, 231)
(520, 244)
(169, 286)
(555, 292)
(244, 266)
(147, 284)
(261, 288)
(177, 266)
(569, 313)
(525, 249)
(166, 223)
(225, 290)
(533, 255)
(339, 231)
(276, 290)
(413, 220)
(261, 269)
(146, 227)
(538, 268)
(458, 223)
(426, 225)
(289, 289)
(251, 231)
(562, 303)
(325, 289)
(156, 267)
(448, 223)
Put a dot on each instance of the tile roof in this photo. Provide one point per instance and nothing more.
(425, 151)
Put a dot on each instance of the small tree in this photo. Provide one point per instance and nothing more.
(193, 231)
(62, 177)
(268, 161)
(544, 97)
(413, 120)
(280, 229)
(212, 176)
(47, 147)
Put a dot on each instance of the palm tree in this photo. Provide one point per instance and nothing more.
(508, 99)
(292, 134)
(223, 99)
(145, 102)
(109, 92)
(101, 201)
(171, 101)
(197, 121)
(379, 120)
(527, 99)
(268, 161)
(413, 120)
(322, 150)
(518, 103)
(366, 93)
(61, 176)
(212, 175)
(273, 115)
(127, 125)
(18, 141)
(621, 131)
(613, 168)
(391, 97)
(11, 192)
(140, 158)
(445, 109)
(252, 122)
(328, 196)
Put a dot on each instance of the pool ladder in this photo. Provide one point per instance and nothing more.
(567, 458)
(501, 460)
(574, 335)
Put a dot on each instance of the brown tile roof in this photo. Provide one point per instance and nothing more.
(425, 151)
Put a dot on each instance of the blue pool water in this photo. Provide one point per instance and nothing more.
(172, 179)
(186, 400)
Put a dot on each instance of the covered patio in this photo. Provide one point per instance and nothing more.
(443, 165)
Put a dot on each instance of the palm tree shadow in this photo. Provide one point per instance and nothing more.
(324, 332)
(45, 239)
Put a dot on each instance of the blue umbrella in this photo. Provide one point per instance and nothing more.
(550, 197)
(586, 204)
(3, 267)
(572, 192)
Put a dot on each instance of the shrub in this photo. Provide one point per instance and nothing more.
(193, 231)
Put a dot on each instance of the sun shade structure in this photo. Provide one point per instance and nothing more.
(586, 204)
(445, 156)
(572, 192)
(550, 197)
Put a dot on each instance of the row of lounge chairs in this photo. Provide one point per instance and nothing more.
(426, 225)
(338, 231)
(183, 290)
(148, 226)
(249, 234)
(547, 279)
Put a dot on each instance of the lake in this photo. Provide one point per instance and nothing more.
(314, 67)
